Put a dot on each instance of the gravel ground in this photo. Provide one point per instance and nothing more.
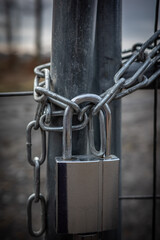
(16, 175)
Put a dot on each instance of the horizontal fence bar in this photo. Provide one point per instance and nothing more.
(30, 93)
(128, 74)
(16, 94)
(138, 197)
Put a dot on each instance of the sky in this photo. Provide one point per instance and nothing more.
(137, 24)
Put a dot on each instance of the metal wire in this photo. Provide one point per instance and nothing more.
(16, 94)
(155, 136)
(141, 197)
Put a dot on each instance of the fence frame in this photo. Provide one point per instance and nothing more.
(98, 59)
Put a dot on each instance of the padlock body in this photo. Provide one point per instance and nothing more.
(86, 194)
(110, 191)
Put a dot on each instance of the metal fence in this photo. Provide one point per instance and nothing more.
(154, 197)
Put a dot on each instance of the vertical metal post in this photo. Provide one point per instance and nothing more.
(155, 135)
(107, 63)
(108, 58)
(86, 53)
(73, 43)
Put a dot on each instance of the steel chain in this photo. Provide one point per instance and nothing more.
(146, 56)
(36, 162)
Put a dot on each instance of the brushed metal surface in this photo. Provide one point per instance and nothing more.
(87, 194)
(110, 192)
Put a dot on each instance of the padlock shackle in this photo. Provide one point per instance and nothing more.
(67, 123)
(102, 151)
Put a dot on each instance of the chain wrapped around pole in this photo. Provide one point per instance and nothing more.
(146, 56)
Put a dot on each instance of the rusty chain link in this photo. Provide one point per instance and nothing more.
(145, 56)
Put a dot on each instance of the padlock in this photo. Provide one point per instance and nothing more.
(109, 182)
(86, 185)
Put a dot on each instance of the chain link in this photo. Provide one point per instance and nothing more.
(29, 144)
(39, 112)
(36, 179)
(60, 129)
(43, 215)
(138, 80)
(141, 58)
(36, 162)
(38, 70)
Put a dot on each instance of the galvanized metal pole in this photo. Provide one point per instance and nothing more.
(73, 43)
(86, 53)
(108, 60)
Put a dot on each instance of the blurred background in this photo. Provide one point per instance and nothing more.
(25, 42)
(25, 36)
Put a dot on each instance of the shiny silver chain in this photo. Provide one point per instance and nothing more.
(146, 56)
